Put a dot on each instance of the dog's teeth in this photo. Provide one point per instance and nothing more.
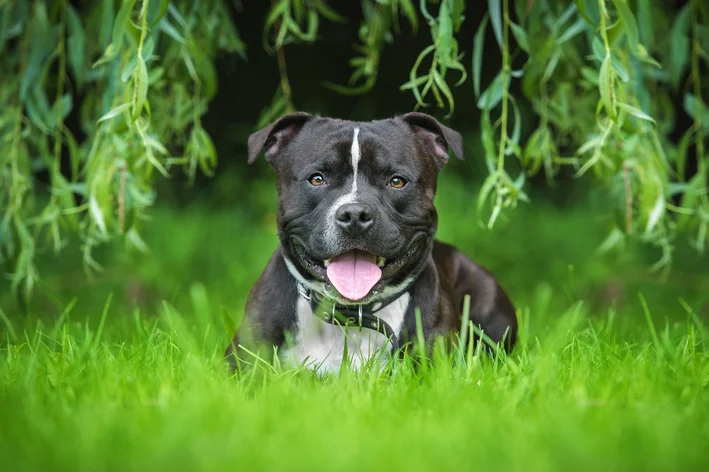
(326, 262)
(381, 261)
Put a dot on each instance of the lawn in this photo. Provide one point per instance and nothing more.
(125, 372)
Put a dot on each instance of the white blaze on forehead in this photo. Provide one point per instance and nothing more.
(331, 234)
(355, 151)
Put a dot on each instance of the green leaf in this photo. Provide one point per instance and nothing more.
(605, 84)
(577, 27)
(631, 110)
(96, 213)
(41, 49)
(76, 46)
(156, 14)
(485, 190)
(619, 69)
(62, 108)
(690, 197)
(115, 112)
(121, 23)
(657, 211)
(564, 17)
(516, 131)
(646, 58)
(696, 109)
(148, 48)
(410, 13)
(4, 25)
(445, 90)
(134, 239)
(488, 141)
(74, 155)
(591, 75)
(478, 44)
(203, 148)
(520, 36)
(494, 8)
(599, 52)
(167, 28)
(646, 20)
(329, 13)
(414, 82)
(679, 46)
(615, 239)
(581, 6)
(551, 65)
(493, 94)
(458, 14)
(107, 20)
(172, 9)
(141, 87)
(129, 69)
(681, 152)
(37, 107)
(630, 25)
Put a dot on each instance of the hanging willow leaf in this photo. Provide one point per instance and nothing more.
(495, 12)
(157, 11)
(115, 112)
(97, 214)
(630, 26)
(478, 45)
(657, 211)
(635, 112)
(76, 46)
(119, 28)
(605, 84)
(140, 82)
(577, 27)
(679, 46)
(520, 36)
(493, 94)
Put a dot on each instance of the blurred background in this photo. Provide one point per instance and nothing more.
(207, 237)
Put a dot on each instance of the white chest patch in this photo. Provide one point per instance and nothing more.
(321, 346)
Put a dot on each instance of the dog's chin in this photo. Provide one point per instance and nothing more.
(400, 268)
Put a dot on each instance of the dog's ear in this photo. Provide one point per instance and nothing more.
(273, 138)
(436, 138)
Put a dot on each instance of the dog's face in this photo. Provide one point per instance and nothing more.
(355, 200)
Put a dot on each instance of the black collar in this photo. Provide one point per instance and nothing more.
(363, 316)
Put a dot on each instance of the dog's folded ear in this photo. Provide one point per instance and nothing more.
(273, 138)
(436, 138)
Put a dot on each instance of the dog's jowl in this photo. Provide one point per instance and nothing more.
(358, 254)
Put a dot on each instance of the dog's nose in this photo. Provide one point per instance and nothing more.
(354, 217)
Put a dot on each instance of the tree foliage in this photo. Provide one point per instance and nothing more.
(600, 76)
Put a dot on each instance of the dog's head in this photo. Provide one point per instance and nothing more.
(355, 199)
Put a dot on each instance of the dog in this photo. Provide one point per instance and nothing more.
(358, 257)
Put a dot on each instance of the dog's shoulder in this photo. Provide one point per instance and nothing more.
(271, 305)
(490, 305)
(457, 263)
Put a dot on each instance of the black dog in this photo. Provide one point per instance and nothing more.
(357, 253)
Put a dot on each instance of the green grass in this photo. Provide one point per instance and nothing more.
(125, 372)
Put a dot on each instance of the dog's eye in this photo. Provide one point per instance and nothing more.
(397, 182)
(317, 180)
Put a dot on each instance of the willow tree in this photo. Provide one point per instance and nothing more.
(599, 74)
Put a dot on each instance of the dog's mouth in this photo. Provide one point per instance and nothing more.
(356, 272)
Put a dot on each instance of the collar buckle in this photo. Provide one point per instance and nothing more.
(304, 292)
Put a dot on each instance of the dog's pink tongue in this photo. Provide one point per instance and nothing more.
(354, 273)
